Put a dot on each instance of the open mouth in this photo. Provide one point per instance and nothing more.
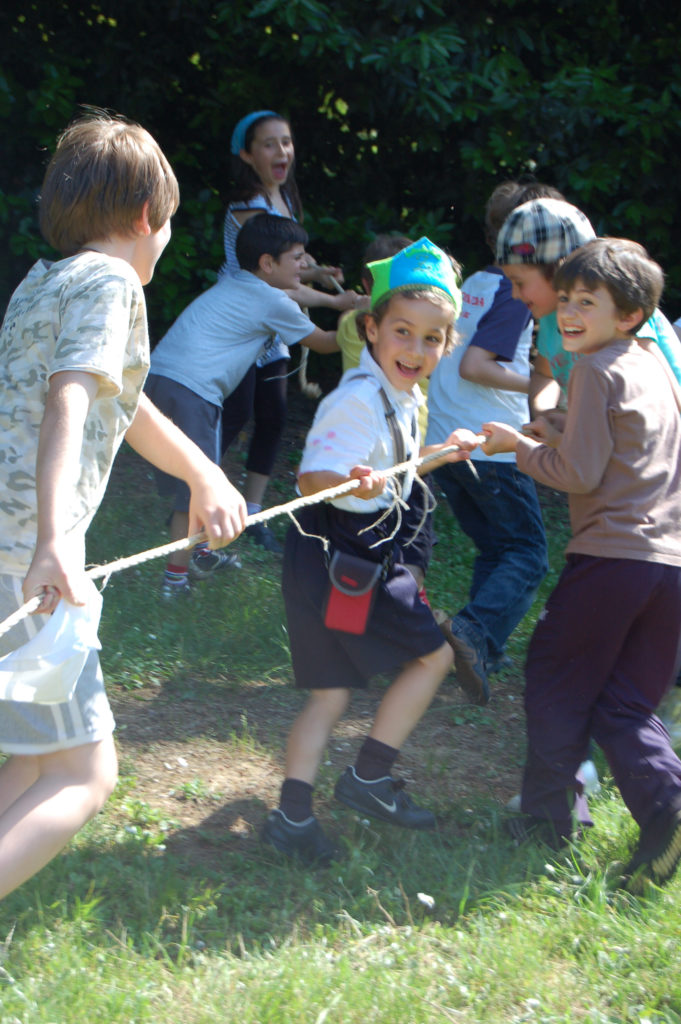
(412, 372)
(280, 170)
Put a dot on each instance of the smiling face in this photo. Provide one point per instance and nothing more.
(531, 287)
(284, 272)
(588, 318)
(271, 152)
(409, 340)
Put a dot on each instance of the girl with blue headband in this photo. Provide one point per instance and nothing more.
(263, 165)
(353, 609)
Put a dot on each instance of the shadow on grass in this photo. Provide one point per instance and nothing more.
(209, 887)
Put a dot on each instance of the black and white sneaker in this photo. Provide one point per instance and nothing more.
(382, 798)
(304, 839)
(205, 562)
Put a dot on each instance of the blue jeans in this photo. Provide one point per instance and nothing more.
(501, 515)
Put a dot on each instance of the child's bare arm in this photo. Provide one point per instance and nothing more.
(55, 569)
(480, 366)
(215, 505)
(465, 439)
(544, 393)
(340, 301)
(371, 481)
(500, 438)
(321, 341)
(321, 273)
(547, 428)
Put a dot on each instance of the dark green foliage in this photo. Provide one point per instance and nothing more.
(405, 114)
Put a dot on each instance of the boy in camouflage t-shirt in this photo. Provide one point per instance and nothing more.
(74, 354)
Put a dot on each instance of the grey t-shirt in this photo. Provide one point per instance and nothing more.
(218, 337)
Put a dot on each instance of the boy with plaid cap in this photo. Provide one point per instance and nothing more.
(533, 241)
(357, 435)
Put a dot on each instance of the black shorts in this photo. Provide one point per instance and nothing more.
(198, 419)
(401, 627)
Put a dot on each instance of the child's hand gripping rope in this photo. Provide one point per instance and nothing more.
(467, 440)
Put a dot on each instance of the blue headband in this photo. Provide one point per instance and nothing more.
(239, 134)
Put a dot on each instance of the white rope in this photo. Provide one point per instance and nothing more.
(105, 571)
(309, 388)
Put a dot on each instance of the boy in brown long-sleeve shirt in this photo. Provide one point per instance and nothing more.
(606, 647)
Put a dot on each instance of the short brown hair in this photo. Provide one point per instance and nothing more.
(382, 247)
(506, 197)
(632, 278)
(104, 169)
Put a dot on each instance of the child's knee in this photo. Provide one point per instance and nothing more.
(436, 664)
(105, 770)
(442, 659)
(93, 766)
(332, 702)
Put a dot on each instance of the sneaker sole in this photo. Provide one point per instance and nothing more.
(312, 860)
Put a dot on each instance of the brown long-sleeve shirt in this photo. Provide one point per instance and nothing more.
(619, 458)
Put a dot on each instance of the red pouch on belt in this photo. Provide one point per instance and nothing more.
(353, 587)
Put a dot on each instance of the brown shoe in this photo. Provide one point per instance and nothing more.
(469, 662)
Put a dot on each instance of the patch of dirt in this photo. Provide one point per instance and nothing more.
(189, 768)
(204, 763)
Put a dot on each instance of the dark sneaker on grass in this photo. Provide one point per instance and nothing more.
(304, 839)
(469, 661)
(382, 798)
(262, 535)
(203, 563)
(526, 828)
(175, 591)
(657, 855)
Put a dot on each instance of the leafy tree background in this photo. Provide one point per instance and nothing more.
(406, 114)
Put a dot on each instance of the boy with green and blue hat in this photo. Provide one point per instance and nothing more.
(363, 428)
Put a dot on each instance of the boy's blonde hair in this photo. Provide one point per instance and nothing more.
(633, 280)
(105, 168)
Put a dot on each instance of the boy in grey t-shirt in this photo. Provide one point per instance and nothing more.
(209, 348)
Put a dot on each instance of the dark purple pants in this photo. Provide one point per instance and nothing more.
(606, 648)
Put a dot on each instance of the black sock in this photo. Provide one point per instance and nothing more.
(375, 759)
(296, 799)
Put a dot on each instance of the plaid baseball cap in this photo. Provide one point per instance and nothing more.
(542, 231)
(421, 264)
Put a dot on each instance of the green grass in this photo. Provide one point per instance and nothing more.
(458, 925)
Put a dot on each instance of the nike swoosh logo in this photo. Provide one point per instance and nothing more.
(390, 808)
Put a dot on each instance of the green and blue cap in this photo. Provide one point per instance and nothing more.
(421, 265)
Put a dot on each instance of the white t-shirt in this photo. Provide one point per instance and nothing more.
(491, 319)
(350, 429)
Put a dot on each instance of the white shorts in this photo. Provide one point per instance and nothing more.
(44, 728)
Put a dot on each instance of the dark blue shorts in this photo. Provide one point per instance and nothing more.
(198, 419)
(401, 627)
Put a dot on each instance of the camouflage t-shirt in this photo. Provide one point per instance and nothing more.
(84, 313)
